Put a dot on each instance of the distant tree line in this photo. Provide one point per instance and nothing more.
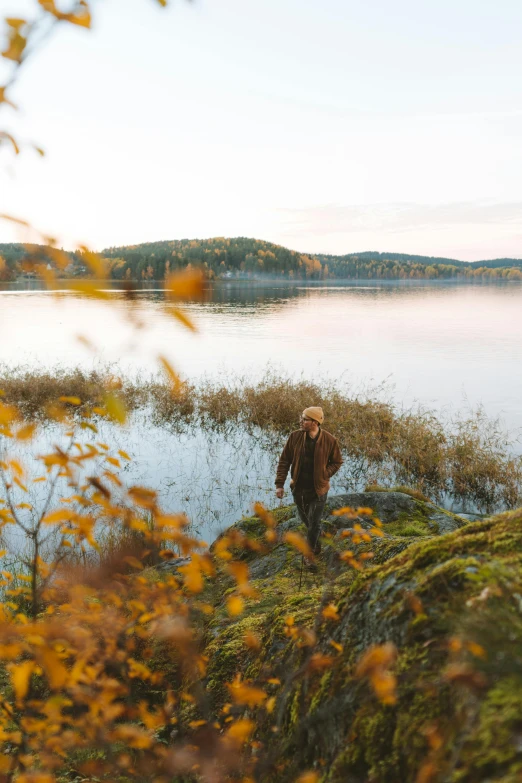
(252, 258)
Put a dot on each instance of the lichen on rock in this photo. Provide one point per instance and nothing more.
(447, 593)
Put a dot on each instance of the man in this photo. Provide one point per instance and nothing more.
(313, 456)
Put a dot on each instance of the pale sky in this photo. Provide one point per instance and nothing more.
(324, 125)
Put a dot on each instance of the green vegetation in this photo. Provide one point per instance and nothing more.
(451, 607)
(250, 258)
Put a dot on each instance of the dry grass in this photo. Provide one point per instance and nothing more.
(470, 460)
(33, 391)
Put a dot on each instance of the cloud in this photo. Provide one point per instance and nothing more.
(400, 217)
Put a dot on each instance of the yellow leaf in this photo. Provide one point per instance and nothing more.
(35, 777)
(16, 46)
(16, 467)
(252, 641)
(116, 408)
(124, 455)
(376, 656)
(477, 650)
(12, 219)
(171, 373)
(143, 497)
(246, 694)
(192, 576)
(134, 562)
(53, 667)
(71, 400)
(8, 413)
(299, 543)
(89, 289)
(19, 484)
(239, 571)
(4, 98)
(187, 284)
(60, 258)
(241, 730)
(234, 605)
(96, 262)
(57, 517)
(20, 676)
(308, 777)
(26, 432)
(196, 724)
(181, 316)
(330, 612)
(4, 136)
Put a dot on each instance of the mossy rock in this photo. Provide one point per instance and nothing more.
(402, 509)
(421, 591)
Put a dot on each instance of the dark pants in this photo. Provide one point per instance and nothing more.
(310, 510)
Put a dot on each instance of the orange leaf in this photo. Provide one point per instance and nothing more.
(115, 408)
(187, 284)
(180, 316)
(239, 571)
(8, 413)
(241, 730)
(252, 641)
(26, 432)
(20, 676)
(308, 777)
(378, 655)
(172, 375)
(57, 517)
(235, 605)
(88, 288)
(299, 543)
(54, 668)
(192, 576)
(330, 612)
(143, 497)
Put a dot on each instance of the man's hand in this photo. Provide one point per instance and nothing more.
(280, 492)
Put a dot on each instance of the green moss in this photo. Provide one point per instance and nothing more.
(497, 738)
(334, 720)
(408, 527)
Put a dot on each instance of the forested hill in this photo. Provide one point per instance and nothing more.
(241, 257)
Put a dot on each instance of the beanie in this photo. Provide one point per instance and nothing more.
(314, 413)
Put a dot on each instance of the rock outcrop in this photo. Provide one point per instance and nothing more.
(445, 592)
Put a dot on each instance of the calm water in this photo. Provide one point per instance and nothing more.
(446, 345)
(449, 346)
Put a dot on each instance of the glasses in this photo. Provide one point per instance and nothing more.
(304, 418)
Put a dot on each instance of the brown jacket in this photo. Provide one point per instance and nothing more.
(327, 460)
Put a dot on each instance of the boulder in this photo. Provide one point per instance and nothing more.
(447, 603)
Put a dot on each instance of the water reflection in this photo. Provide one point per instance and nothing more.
(446, 344)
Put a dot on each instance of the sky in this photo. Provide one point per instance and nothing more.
(331, 126)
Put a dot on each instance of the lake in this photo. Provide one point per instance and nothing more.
(447, 345)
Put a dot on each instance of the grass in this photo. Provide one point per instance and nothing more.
(469, 459)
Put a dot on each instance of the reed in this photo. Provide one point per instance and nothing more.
(469, 458)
